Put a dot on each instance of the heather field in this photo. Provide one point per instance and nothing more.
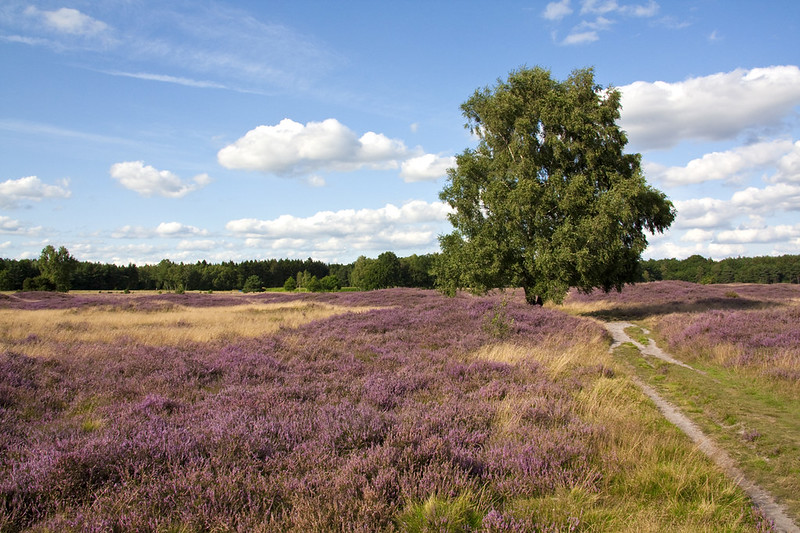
(395, 410)
(747, 326)
(743, 341)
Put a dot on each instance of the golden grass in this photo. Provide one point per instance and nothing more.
(172, 326)
(558, 357)
(653, 477)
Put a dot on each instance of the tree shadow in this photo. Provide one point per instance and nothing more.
(640, 311)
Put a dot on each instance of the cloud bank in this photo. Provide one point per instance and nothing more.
(334, 233)
(659, 115)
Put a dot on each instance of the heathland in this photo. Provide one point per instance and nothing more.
(392, 410)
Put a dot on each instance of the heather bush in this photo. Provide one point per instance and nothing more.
(339, 424)
(765, 340)
(379, 420)
(666, 297)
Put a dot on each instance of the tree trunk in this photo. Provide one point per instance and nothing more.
(532, 299)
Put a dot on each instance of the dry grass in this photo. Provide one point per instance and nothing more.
(559, 358)
(651, 473)
(172, 326)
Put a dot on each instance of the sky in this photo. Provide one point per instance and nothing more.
(133, 131)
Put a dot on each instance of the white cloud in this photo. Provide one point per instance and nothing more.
(290, 148)
(649, 10)
(426, 167)
(188, 82)
(176, 229)
(704, 213)
(707, 249)
(203, 245)
(789, 166)
(164, 229)
(581, 38)
(731, 164)
(30, 188)
(227, 46)
(68, 20)
(598, 6)
(777, 197)
(10, 226)
(557, 10)
(343, 223)
(316, 181)
(697, 235)
(602, 7)
(716, 107)
(767, 234)
(148, 181)
(718, 251)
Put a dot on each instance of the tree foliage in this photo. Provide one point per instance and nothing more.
(548, 200)
(252, 284)
(57, 266)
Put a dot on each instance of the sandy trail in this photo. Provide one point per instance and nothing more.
(760, 497)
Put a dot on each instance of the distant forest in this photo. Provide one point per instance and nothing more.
(698, 269)
(387, 270)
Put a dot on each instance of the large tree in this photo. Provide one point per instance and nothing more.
(57, 266)
(548, 200)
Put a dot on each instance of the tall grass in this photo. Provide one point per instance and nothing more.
(34, 332)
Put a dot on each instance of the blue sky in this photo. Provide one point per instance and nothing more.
(138, 130)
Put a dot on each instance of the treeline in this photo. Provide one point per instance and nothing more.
(57, 270)
(62, 272)
(698, 269)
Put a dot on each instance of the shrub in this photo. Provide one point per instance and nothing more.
(290, 285)
(252, 284)
(330, 283)
(314, 285)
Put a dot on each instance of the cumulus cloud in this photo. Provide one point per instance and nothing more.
(290, 148)
(704, 213)
(148, 181)
(716, 107)
(732, 164)
(768, 234)
(557, 10)
(164, 229)
(426, 167)
(68, 20)
(789, 166)
(777, 197)
(30, 188)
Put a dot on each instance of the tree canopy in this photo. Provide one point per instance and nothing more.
(57, 267)
(548, 200)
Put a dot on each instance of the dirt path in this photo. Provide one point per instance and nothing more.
(760, 497)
